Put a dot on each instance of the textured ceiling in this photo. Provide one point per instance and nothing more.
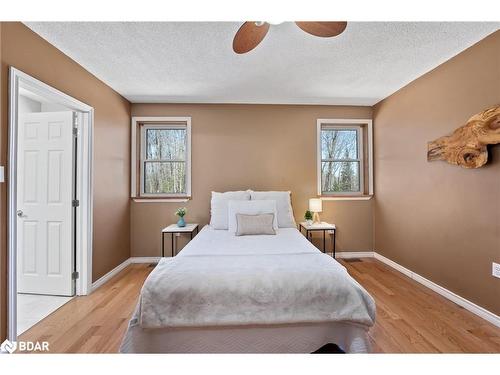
(193, 61)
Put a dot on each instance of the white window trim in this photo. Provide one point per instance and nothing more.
(151, 123)
(347, 124)
(161, 200)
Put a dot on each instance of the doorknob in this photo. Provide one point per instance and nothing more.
(20, 213)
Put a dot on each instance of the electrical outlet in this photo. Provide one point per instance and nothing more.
(495, 270)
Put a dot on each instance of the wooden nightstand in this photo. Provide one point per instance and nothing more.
(174, 229)
(319, 227)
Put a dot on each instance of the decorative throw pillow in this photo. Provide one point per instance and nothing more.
(219, 204)
(250, 208)
(254, 224)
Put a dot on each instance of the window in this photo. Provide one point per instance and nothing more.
(342, 158)
(164, 157)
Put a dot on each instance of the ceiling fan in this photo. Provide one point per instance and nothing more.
(251, 33)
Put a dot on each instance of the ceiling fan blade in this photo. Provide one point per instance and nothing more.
(323, 29)
(249, 35)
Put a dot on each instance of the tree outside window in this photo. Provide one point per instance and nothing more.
(164, 162)
(341, 161)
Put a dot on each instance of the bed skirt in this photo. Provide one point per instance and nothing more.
(287, 338)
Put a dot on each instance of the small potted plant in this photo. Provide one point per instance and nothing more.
(308, 216)
(181, 212)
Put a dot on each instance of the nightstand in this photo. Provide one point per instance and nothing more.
(319, 227)
(173, 229)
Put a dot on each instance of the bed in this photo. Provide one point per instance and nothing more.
(249, 294)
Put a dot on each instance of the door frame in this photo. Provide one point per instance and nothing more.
(84, 184)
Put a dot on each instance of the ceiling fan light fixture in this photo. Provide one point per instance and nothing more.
(275, 22)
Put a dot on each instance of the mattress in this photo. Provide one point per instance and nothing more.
(263, 335)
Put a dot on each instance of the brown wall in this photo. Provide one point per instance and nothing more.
(439, 220)
(23, 49)
(262, 147)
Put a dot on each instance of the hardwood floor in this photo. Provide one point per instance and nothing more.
(410, 317)
(94, 323)
(413, 319)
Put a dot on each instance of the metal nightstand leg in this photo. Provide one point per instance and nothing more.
(162, 244)
(172, 245)
(334, 235)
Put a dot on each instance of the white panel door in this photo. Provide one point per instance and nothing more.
(45, 252)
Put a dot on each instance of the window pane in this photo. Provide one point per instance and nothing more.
(166, 144)
(337, 177)
(339, 144)
(165, 177)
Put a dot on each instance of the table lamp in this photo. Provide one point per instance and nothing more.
(316, 206)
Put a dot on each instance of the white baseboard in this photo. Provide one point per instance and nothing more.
(115, 271)
(466, 304)
(144, 259)
(354, 254)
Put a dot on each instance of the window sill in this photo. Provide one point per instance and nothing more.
(347, 198)
(161, 200)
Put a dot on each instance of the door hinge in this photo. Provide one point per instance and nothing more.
(75, 203)
(75, 275)
(75, 124)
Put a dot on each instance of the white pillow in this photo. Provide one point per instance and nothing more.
(250, 208)
(219, 204)
(283, 206)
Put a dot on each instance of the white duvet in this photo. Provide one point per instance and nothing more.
(219, 279)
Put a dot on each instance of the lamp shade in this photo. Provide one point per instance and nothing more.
(315, 205)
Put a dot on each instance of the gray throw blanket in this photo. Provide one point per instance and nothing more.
(225, 290)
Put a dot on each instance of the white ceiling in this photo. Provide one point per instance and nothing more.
(193, 62)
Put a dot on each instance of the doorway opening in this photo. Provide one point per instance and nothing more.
(50, 200)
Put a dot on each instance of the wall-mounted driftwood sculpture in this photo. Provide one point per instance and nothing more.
(466, 146)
